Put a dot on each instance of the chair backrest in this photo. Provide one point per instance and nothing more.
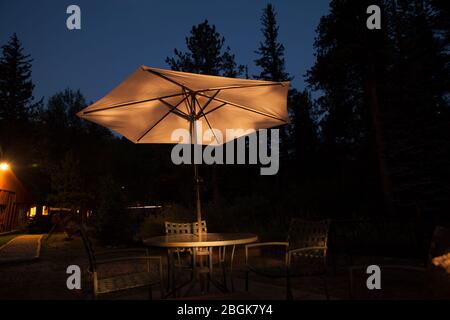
(184, 228)
(303, 233)
(177, 228)
(88, 247)
(203, 227)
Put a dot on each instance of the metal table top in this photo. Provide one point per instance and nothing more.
(205, 240)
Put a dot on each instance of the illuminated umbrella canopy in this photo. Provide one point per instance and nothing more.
(152, 103)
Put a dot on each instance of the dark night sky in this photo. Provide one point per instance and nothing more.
(118, 36)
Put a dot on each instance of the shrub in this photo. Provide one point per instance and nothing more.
(112, 223)
(154, 225)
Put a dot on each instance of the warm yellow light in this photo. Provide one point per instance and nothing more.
(45, 211)
(4, 166)
(33, 212)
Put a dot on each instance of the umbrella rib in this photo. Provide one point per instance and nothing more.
(178, 112)
(244, 108)
(242, 87)
(126, 104)
(207, 103)
(168, 79)
(186, 102)
(214, 109)
(207, 121)
(170, 111)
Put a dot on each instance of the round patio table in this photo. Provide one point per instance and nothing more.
(205, 240)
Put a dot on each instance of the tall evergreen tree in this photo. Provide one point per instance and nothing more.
(16, 88)
(206, 54)
(17, 105)
(271, 61)
(271, 51)
(229, 66)
(416, 106)
(303, 129)
(381, 93)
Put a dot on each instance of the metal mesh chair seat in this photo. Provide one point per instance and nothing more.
(124, 282)
(126, 261)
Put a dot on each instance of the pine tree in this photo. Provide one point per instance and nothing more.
(229, 66)
(16, 87)
(272, 63)
(382, 94)
(350, 72)
(303, 129)
(271, 52)
(416, 108)
(205, 54)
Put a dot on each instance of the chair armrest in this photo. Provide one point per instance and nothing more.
(265, 244)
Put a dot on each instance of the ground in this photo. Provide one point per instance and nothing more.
(46, 278)
(5, 239)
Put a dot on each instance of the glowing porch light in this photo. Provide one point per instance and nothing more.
(4, 166)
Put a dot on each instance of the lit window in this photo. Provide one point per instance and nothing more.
(33, 212)
(45, 211)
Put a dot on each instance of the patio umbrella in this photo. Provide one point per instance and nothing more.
(151, 103)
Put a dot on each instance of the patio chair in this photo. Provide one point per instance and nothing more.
(195, 230)
(182, 228)
(151, 276)
(181, 263)
(177, 228)
(303, 254)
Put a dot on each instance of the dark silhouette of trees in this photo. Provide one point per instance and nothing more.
(382, 98)
(206, 54)
(17, 105)
(302, 130)
(368, 136)
(270, 51)
(271, 61)
(16, 88)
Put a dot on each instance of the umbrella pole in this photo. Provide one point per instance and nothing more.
(198, 209)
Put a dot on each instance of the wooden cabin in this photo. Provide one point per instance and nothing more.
(14, 200)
